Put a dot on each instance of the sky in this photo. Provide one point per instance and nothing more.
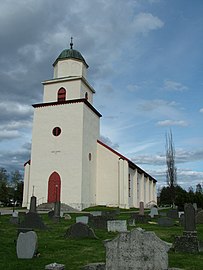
(145, 62)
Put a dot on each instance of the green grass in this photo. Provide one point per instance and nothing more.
(54, 247)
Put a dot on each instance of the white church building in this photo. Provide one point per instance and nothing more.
(68, 161)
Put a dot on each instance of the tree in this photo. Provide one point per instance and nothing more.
(4, 193)
(171, 172)
(199, 188)
(17, 186)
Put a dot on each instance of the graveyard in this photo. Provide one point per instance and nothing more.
(60, 241)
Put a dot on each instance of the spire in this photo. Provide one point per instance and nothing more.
(71, 43)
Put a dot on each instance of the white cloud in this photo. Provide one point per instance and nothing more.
(201, 110)
(174, 86)
(145, 22)
(168, 122)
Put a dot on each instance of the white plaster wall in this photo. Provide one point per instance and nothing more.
(75, 89)
(107, 177)
(89, 146)
(70, 67)
(123, 176)
(62, 154)
(26, 199)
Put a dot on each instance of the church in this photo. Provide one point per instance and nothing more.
(69, 163)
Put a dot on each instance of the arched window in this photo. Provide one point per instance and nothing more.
(61, 94)
(86, 96)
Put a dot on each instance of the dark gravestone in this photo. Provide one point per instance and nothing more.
(33, 204)
(188, 242)
(189, 221)
(98, 222)
(172, 213)
(110, 214)
(165, 222)
(80, 230)
(199, 217)
(26, 245)
(141, 208)
(140, 218)
(32, 220)
(57, 210)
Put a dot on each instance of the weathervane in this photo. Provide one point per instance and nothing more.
(71, 43)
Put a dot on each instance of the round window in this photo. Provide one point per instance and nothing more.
(56, 131)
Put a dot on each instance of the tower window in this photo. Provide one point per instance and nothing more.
(56, 131)
(86, 95)
(61, 94)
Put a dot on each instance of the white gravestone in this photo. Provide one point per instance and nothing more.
(26, 245)
(82, 219)
(117, 225)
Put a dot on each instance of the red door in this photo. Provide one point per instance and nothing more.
(54, 188)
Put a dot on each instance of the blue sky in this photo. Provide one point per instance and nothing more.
(146, 65)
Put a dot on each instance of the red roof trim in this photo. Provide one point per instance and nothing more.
(56, 103)
(28, 162)
(131, 164)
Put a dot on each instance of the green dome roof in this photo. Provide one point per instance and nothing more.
(70, 54)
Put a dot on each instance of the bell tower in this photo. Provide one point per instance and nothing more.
(64, 137)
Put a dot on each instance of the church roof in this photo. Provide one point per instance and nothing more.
(70, 54)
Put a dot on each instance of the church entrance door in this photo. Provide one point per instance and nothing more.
(54, 188)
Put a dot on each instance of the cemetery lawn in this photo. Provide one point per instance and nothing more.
(54, 247)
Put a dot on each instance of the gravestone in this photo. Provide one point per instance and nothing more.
(189, 212)
(188, 242)
(140, 218)
(26, 245)
(111, 214)
(172, 213)
(116, 225)
(57, 211)
(153, 212)
(32, 220)
(67, 216)
(55, 266)
(80, 230)
(96, 213)
(165, 222)
(199, 217)
(33, 204)
(82, 219)
(98, 222)
(141, 208)
(136, 250)
(14, 219)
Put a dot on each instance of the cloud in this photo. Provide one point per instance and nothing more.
(174, 86)
(201, 110)
(14, 160)
(181, 156)
(145, 22)
(108, 142)
(165, 123)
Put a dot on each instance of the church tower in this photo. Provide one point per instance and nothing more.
(64, 137)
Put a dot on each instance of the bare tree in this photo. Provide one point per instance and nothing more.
(171, 172)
